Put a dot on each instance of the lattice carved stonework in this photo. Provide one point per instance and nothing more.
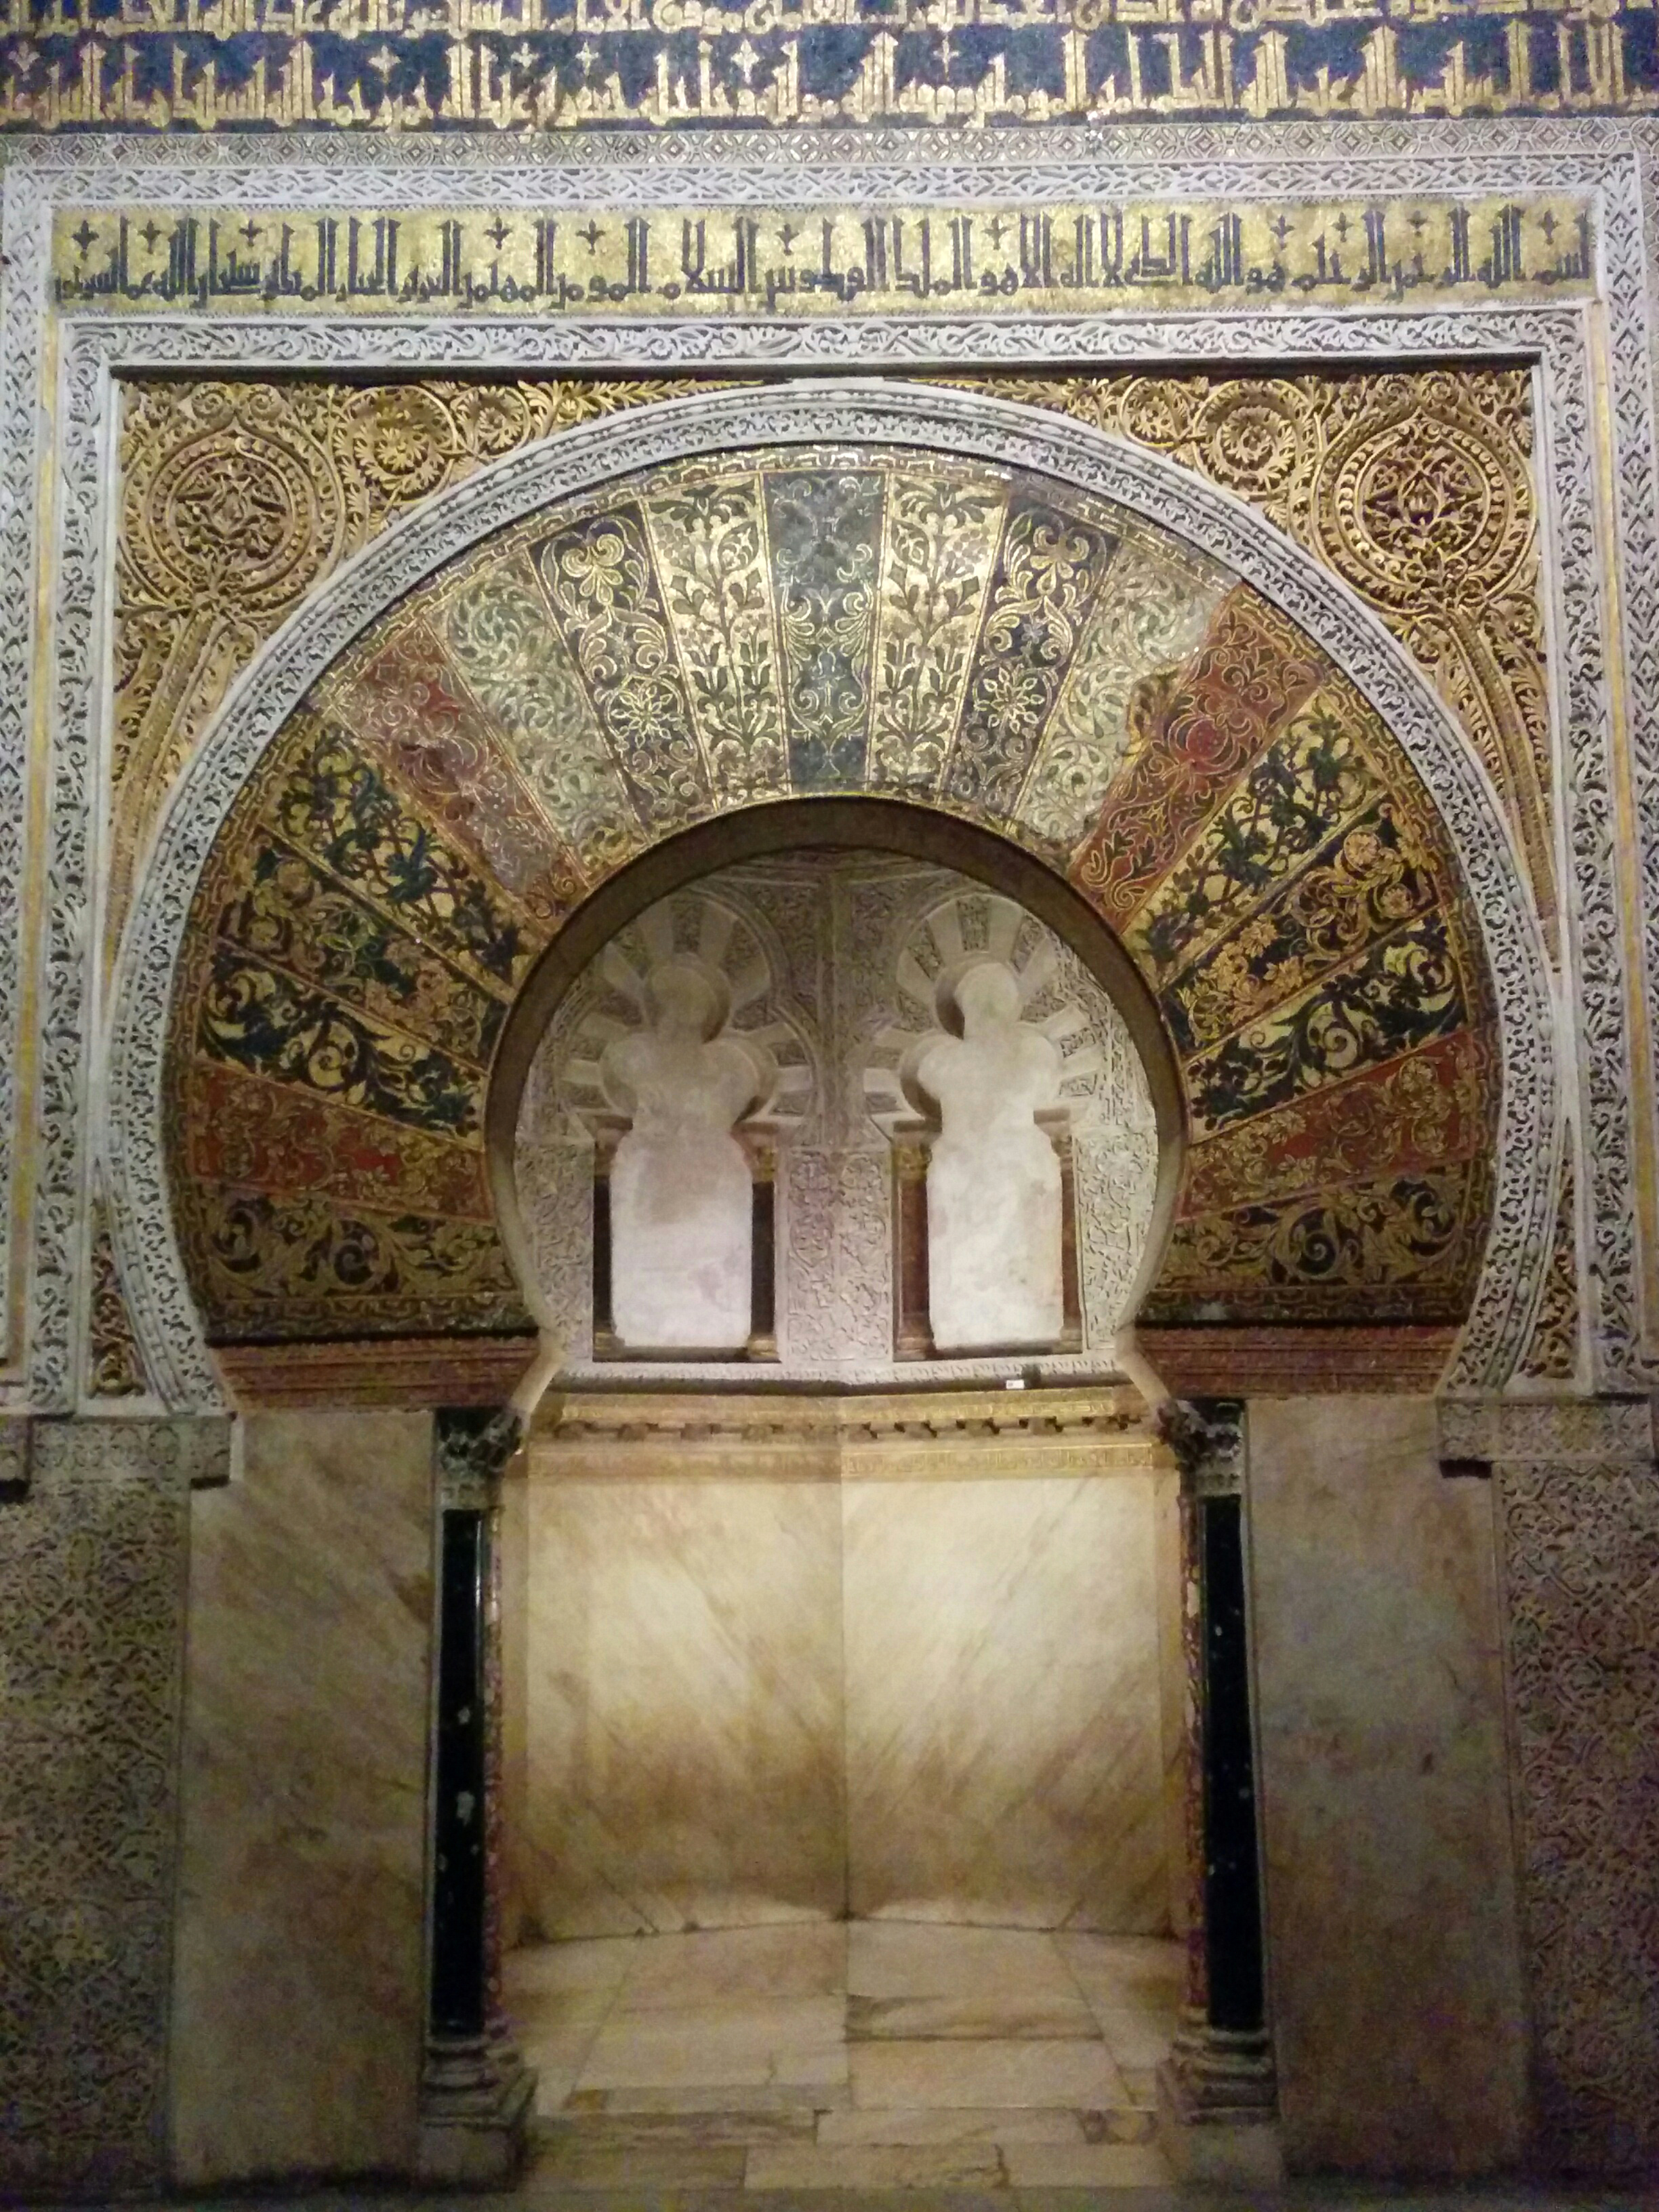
(238, 498)
(115, 1368)
(92, 1581)
(1581, 1568)
(1416, 489)
(1553, 1355)
(832, 960)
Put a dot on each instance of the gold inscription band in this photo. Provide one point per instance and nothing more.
(828, 261)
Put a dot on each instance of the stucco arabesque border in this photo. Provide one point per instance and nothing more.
(94, 351)
(852, 412)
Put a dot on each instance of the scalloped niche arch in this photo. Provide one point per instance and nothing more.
(838, 963)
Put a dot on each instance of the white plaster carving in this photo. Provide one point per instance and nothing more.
(835, 1235)
(555, 1178)
(993, 1187)
(682, 1200)
(673, 1035)
(830, 962)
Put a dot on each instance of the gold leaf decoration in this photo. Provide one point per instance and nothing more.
(1417, 488)
(239, 497)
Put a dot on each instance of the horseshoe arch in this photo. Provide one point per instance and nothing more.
(809, 591)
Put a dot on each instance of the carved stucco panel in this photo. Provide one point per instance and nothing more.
(1415, 488)
(92, 1620)
(238, 497)
(831, 961)
(1580, 1555)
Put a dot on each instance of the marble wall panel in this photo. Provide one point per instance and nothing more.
(685, 1704)
(93, 1525)
(299, 1992)
(1003, 1745)
(1390, 1862)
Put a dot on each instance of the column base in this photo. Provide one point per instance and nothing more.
(1218, 2109)
(475, 2100)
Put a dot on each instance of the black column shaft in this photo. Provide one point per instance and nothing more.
(1232, 1910)
(458, 1995)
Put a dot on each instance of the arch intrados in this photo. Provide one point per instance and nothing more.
(817, 410)
(844, 825)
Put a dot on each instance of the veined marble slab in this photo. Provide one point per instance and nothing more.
(684, 1706)
(908, 1982)
(1004, 1747)
(1390, 1862)
(299, 1998)
(743, 1701)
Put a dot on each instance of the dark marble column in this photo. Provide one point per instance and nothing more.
(763, 1261)
(913, 1337)
(476, 2091)
(1218, 2091)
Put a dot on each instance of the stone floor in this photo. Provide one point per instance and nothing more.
(537, 2194)
(883, 2066)
(874, 2055)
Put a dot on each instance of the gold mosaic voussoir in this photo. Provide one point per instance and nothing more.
(238, 498)
(1417, 488)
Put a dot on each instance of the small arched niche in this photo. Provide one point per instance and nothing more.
(908, 1113)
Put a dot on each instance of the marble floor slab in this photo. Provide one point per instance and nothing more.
(1074, 2072)
(795, 2041)
(734, 1965)
(541, 2191)
(1126, 1973)
(966, 2123)
(874, 2165)
(1092, 2165)
(921, 1981)
(822, 2056)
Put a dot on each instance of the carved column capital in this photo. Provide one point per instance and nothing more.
(473, 1444)
(1206, 1436)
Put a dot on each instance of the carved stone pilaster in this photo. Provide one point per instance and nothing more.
(1575, 1493)
(1218, 2094)
(94, 1537)
(476, 2091)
